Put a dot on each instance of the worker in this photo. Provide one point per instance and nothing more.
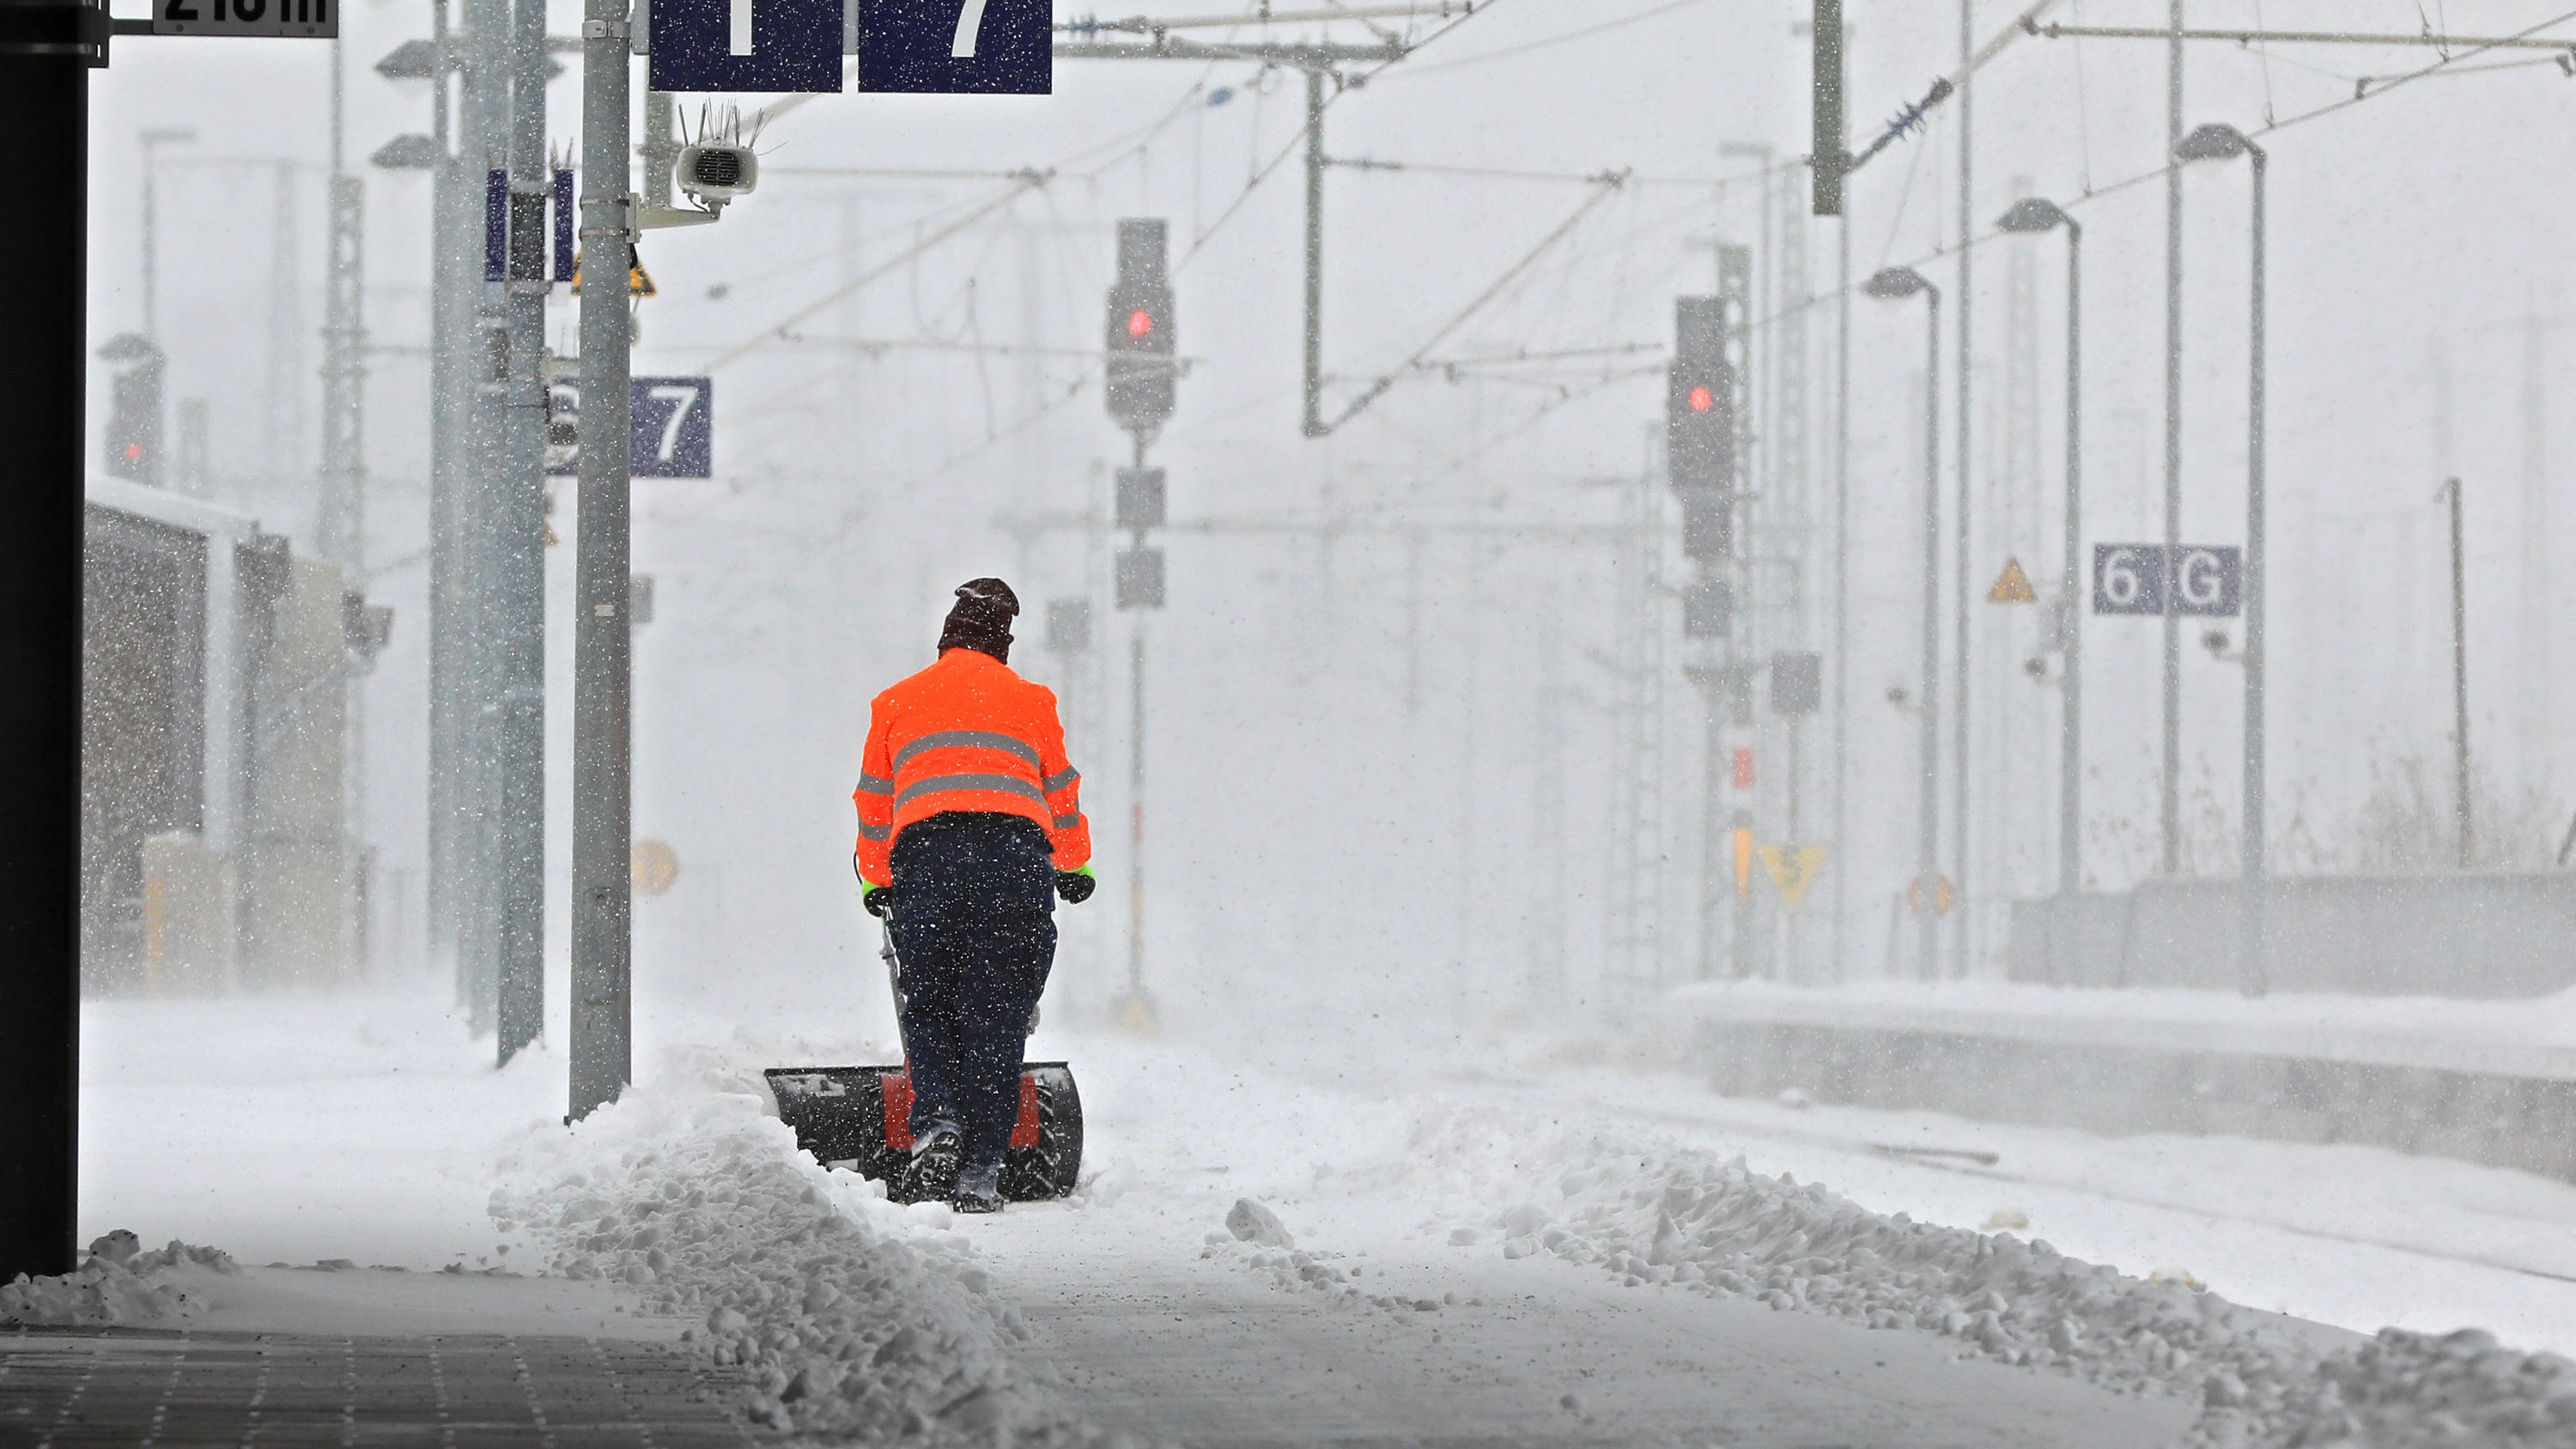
(970, 822)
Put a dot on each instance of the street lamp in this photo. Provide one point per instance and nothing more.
(151, 140)
(2028, 217)
(2218, 141)
(1894, 283)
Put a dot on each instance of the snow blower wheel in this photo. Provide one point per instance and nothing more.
(862, 1116)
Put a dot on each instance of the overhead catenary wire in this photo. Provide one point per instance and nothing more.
(1507, 173)
(1911, 117)
(2521, 40)
(1028, 181)
(1541, 44)
(2448, 65)
(1297, 138)
(1610, 185)
(1149, 25)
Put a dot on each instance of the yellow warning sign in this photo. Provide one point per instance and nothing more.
(2012, 586)
(1792, 868)
(653, 868)
(1944, 896)
(639, 282)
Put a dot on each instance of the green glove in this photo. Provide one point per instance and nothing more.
(1076, 886)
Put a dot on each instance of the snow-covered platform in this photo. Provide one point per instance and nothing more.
(1474, 1246)
(2486, 1081)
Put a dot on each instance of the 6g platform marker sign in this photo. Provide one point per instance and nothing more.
(2206, 579)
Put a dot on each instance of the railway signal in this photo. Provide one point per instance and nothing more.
(1699, 400)
(1140, 336)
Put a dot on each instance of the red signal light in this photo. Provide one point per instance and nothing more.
(1701, 400)
(133, 452)
(1139, 322)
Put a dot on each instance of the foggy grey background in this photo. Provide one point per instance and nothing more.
(1343, 725)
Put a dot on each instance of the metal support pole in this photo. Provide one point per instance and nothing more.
(2169, 787)
(44, 103)
(2460, 679)
(341, 513)
(1842, 585)
(519, 578)
(1136, 815)
(1314, 423)
(341, 528)
(2254, 974)
(603, 635)
(1927, 875)
(483, 148)
(152, 140)
(454, 259)
(151, 259)
(1713, 835)
(1829, 158)
(661, 151)
(2070, 750)
(1963, 581)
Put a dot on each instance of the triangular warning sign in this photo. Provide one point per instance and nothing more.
(1792, 869)
(639, 282)
(2012, 586)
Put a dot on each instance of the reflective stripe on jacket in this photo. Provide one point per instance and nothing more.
(966, 734)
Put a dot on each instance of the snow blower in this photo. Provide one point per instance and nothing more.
(861, 1117)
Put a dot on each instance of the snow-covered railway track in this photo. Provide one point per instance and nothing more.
(1965, 1163)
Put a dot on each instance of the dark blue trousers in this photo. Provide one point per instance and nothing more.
(974, 931)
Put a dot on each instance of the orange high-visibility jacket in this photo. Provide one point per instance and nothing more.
(966, 734)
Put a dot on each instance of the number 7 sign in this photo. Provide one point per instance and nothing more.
(957, 47)
(671, 434)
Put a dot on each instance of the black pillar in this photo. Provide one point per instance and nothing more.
(45, 54)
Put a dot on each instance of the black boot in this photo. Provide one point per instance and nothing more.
(932, 1174)
(978, 1190)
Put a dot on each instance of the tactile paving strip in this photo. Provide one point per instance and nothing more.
(91, 1388)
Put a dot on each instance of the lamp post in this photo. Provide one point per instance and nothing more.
(2218, 141)
(2029, 216)
(603, 631)
(1891, 283)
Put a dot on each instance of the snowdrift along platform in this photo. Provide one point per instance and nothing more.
(861, 1116)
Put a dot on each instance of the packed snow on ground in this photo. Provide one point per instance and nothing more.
(369, 1129)
(1686, 1219)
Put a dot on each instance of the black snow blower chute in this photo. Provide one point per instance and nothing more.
(862, 1116)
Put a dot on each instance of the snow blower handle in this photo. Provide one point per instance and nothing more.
(894, 965)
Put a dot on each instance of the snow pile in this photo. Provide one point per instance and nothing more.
(1688, 1220)
(118, 1283)
(2404, 1390)
(850, 1316)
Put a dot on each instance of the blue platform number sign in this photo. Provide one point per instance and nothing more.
(746, 45)
(671, 432)
(2206, 580)
(957, 47)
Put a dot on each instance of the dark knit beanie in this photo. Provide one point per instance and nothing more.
(981, 619)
